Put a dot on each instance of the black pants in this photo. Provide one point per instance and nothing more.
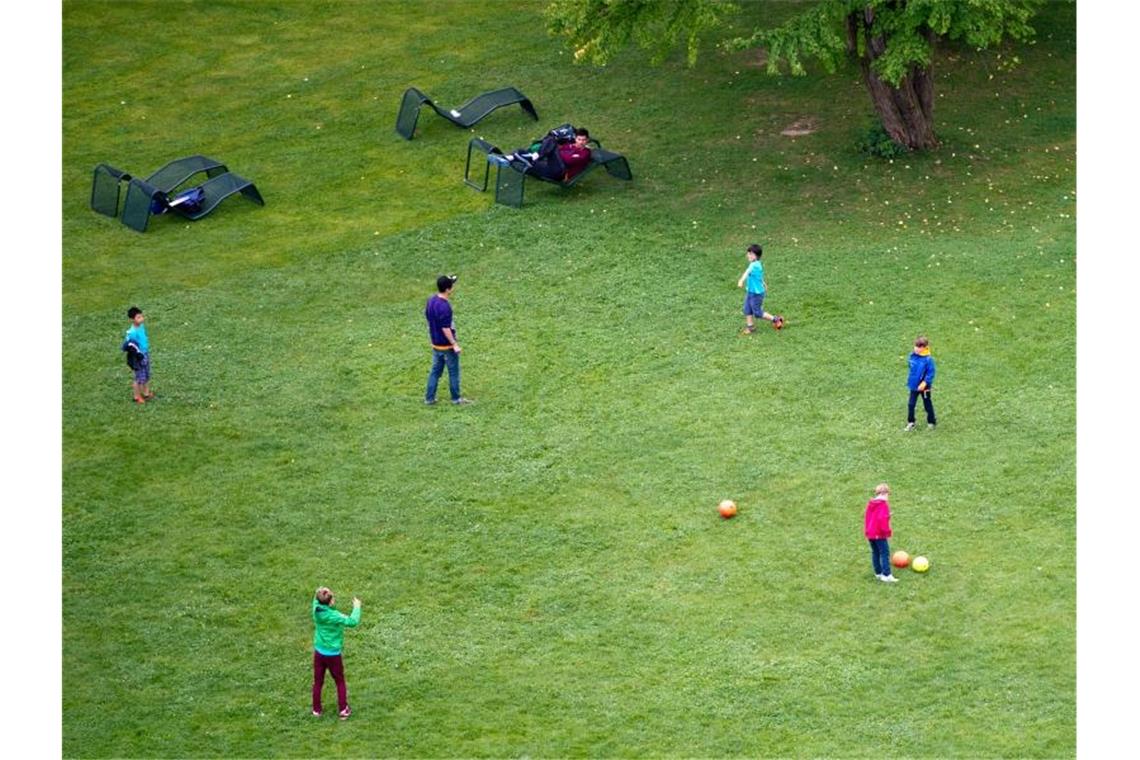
(926, 403)
(549, 164)
(548, 168)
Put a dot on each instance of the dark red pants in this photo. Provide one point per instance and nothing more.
(334, 665)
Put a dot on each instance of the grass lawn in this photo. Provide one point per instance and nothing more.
(544, 572)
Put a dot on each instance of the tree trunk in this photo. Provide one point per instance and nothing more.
(906, 111)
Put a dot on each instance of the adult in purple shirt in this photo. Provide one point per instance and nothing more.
(444, 346)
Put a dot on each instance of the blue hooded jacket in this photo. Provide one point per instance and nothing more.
(921, 368)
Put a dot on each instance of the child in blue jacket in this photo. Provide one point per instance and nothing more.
(919, 381)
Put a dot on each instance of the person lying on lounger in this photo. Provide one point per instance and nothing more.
(558, 157)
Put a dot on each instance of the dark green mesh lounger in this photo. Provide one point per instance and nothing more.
(167, 190)
(216, 190)
(510, 179)
(106, 186)
(466, 115)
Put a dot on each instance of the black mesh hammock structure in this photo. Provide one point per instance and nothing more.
(160, 192)
(466, 115)
(510, 176)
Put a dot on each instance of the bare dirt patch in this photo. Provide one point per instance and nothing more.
(757, 57)
(801, 127)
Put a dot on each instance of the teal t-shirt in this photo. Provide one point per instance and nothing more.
(754, 277)
(137, 333)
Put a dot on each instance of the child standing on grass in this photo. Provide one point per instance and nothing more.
(919, 380)
(138, 355)
(877, 528)
(328, 640)
(753, 282)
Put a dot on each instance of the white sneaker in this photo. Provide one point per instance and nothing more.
(909, 426)
(878, 576)
(888, 579)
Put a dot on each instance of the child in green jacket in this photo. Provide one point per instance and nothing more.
(328, 640)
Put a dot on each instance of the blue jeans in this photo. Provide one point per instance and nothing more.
(880, 556)
(438, 359)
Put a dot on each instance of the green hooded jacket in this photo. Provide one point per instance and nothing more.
(329, 625)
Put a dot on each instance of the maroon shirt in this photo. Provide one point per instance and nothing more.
(575, 159)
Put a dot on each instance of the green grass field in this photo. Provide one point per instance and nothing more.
(543, 572)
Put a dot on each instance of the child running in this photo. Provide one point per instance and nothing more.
(753, 282)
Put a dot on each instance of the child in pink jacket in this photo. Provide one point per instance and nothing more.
(877, 528)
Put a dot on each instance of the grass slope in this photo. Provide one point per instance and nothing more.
(544, 573)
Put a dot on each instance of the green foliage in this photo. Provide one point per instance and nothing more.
(876, 142)
(543, 572)
(909, 28)
(816, 33)
(597, 29)
(892, 38)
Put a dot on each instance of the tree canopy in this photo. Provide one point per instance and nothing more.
(892, 39)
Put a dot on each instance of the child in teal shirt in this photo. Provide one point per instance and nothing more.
(137, 347)
(754, 292)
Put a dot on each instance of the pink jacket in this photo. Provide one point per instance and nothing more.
(877, 520)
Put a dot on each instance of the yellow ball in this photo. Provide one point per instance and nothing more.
(920, 564)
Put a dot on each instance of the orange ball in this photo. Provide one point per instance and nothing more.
(727, 508)
(900, 559)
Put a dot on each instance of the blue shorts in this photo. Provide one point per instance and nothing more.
(754, 304)
(142, 374)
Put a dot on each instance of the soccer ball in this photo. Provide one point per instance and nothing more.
(727, 508)
(920, 564)
(900, 559)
